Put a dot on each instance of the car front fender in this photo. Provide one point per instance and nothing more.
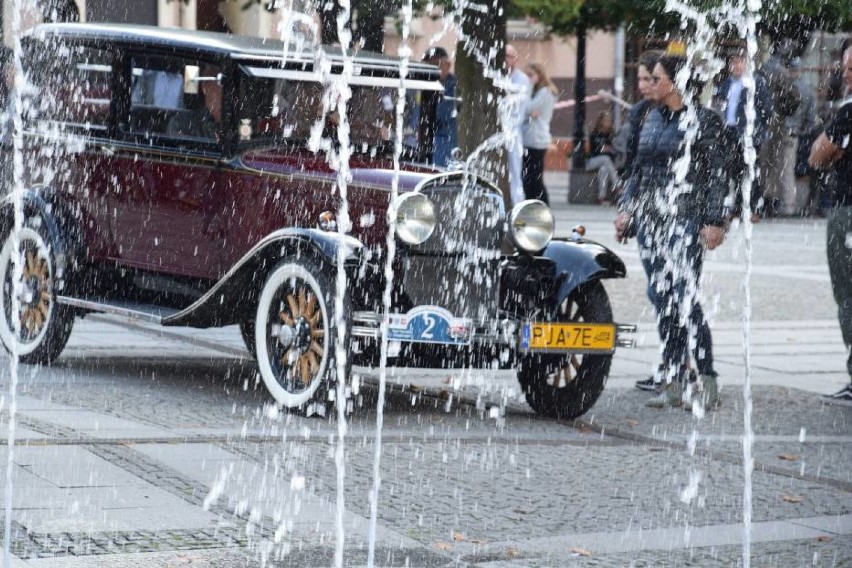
(579, 261)
(39, 211)
(228, 301)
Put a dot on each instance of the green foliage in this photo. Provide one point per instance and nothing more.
(779, 18)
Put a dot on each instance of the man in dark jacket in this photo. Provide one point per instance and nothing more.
(732, 100)
(833, 149)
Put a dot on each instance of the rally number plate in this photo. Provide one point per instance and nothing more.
(429, 324)
(575, 337)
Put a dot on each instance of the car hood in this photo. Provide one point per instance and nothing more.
(375, 173)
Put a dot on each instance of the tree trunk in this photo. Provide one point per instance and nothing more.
(477, 118)
(371, 24)
(328, 12)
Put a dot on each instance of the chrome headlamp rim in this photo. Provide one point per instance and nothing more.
(417, 228)
(526, 212)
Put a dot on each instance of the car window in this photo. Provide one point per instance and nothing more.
(72, 88)
(283, 109)
(179, 99)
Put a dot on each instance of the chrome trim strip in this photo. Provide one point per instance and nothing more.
(363, 331)
(109, 309)
(270, 238)
(357, 80)
(434, 178)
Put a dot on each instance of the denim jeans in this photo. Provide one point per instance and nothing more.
(672, 257)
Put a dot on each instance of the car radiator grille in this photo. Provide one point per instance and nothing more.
(457, 268)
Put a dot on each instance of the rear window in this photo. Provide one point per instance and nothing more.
(72, 87)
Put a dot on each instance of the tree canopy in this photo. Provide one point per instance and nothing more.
(778, 18)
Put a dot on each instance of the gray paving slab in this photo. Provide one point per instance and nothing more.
(95, 424)
(840, 524)
(67, 489)
(172, 558)
(808, 553)
(603, 543)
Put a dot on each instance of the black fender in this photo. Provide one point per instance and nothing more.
(580, 261)
(36, 208)
(535, 285)
(234, 295)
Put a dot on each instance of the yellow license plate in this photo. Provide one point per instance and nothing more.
(581, 337)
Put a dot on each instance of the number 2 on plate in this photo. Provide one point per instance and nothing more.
(430, 325)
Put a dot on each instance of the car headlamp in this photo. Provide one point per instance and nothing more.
(415, 218)
(531, 225)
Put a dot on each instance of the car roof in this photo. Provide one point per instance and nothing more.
(237, 47)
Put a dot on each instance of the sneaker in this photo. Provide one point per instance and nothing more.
(705, 393)
(647, 384)
(651, 384)
(844, 394)
(670, 395)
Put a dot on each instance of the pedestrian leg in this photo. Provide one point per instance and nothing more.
(839, 247)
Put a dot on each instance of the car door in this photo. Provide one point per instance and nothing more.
(68, 117)
(166, 211)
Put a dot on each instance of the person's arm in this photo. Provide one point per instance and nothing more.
(763, 110)
(538, 103)
(824, 153)
(634, 126)
(831, 144)
(709, 178)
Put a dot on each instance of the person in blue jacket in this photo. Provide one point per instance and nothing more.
(445, 133)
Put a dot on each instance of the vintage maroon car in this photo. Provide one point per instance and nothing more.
(183, 178)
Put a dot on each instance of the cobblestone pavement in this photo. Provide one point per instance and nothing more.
(147, 447)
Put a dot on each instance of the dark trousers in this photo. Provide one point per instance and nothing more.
(736, 167)
(673, 257)
(533, 174)
(840, 268)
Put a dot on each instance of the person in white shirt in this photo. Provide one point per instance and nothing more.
(536, 130)
(515, 147)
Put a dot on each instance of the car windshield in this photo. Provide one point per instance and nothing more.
(287, 107)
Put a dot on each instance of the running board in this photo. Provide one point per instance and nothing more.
(130, 310)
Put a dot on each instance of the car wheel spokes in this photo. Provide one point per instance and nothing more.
(33, 292)
(299, 338)
(569, 312)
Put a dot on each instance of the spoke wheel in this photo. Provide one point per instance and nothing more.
(566, 386)
(295, 335)
(32, 321)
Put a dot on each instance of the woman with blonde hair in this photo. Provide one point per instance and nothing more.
(536, 131)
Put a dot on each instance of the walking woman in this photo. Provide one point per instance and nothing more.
(675, 219)
(536, 131)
